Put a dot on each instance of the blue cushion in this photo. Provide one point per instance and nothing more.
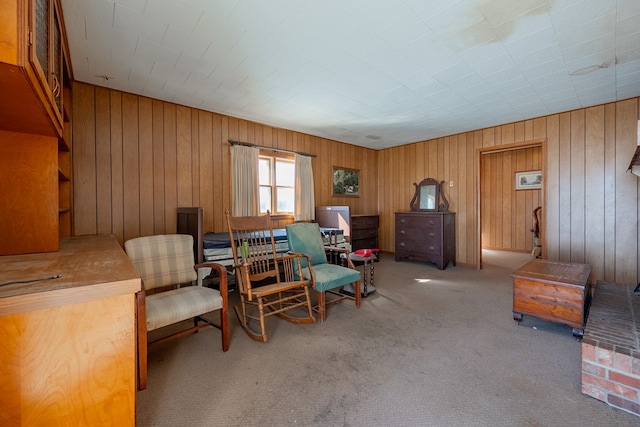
(331, 276)
(305, 238)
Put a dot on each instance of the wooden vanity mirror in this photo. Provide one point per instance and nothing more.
(427, 197)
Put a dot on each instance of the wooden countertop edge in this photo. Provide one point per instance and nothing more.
(58, 297)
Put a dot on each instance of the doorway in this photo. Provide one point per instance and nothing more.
(484, 156)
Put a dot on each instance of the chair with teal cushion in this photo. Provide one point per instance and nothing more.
(305, 238)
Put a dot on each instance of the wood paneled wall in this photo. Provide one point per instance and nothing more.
(590, 203)
(136, 160)
(507, 213)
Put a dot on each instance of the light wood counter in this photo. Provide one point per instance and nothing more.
(69, 344)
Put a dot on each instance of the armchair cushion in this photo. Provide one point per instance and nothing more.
(307, 240)
(330, 276)
(162, 260)
(174, 306)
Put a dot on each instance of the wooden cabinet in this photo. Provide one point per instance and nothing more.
(426, 235)
(69, 336)
(364, 232)
(34, 67)
(35, 131)
(28, 193)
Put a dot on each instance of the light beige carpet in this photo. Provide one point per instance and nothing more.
(429, 348)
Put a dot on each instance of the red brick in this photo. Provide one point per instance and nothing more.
(610, 386)
(636, 366)
(592, 369)
(588, 352)
(623, 363)
(604, 357)
(594, 392)
(625, 379)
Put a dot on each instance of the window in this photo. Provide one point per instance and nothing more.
(277, 181)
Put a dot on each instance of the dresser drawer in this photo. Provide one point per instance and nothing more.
(418, 221)
(364, 221)
(414, 233)
(418, 248)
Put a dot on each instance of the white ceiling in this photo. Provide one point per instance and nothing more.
(374, 73)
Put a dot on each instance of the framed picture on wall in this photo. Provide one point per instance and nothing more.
(530, 180)
(346, 182)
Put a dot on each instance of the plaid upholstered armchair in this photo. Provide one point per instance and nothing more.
(172, 292)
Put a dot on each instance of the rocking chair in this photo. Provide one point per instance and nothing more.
(269, 284)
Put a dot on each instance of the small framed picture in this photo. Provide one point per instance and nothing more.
(530, 180)
(346, 182)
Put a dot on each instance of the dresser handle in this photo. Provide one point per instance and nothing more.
(402, 232)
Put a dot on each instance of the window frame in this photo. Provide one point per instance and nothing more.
(273, 157)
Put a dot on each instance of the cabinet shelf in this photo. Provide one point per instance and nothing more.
(63, 145)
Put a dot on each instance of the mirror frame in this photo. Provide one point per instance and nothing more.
(417, 204)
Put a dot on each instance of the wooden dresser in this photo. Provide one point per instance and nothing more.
(429, 236)
(69, 342)
(364, 232)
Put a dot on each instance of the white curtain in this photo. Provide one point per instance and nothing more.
(305, 198)
(244, 180)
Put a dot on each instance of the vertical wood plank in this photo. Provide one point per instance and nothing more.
(577, 186)
(564, 188)
(84, 160)
(117, 183)
(551, 232)
(103, 160)
(130, 167)
(195, 159)
(205, 158)
(218, 146)
(170, 168)
(184, 141)
(626, 205)
(594, 190)
(610, 193)
(158, 167)
(145, 144)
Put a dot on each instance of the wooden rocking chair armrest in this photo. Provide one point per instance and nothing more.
(291, 255)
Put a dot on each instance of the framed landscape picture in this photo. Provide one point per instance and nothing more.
(530, 180)
(346, 182)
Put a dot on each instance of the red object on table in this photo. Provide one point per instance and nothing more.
(365, 252)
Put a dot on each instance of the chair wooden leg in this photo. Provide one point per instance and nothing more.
(309, 306)
(224, 327)
(322, 309)
(356, 288)
(241, 313)
(262, 326)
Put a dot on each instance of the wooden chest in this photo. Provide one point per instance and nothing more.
(554, 291)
